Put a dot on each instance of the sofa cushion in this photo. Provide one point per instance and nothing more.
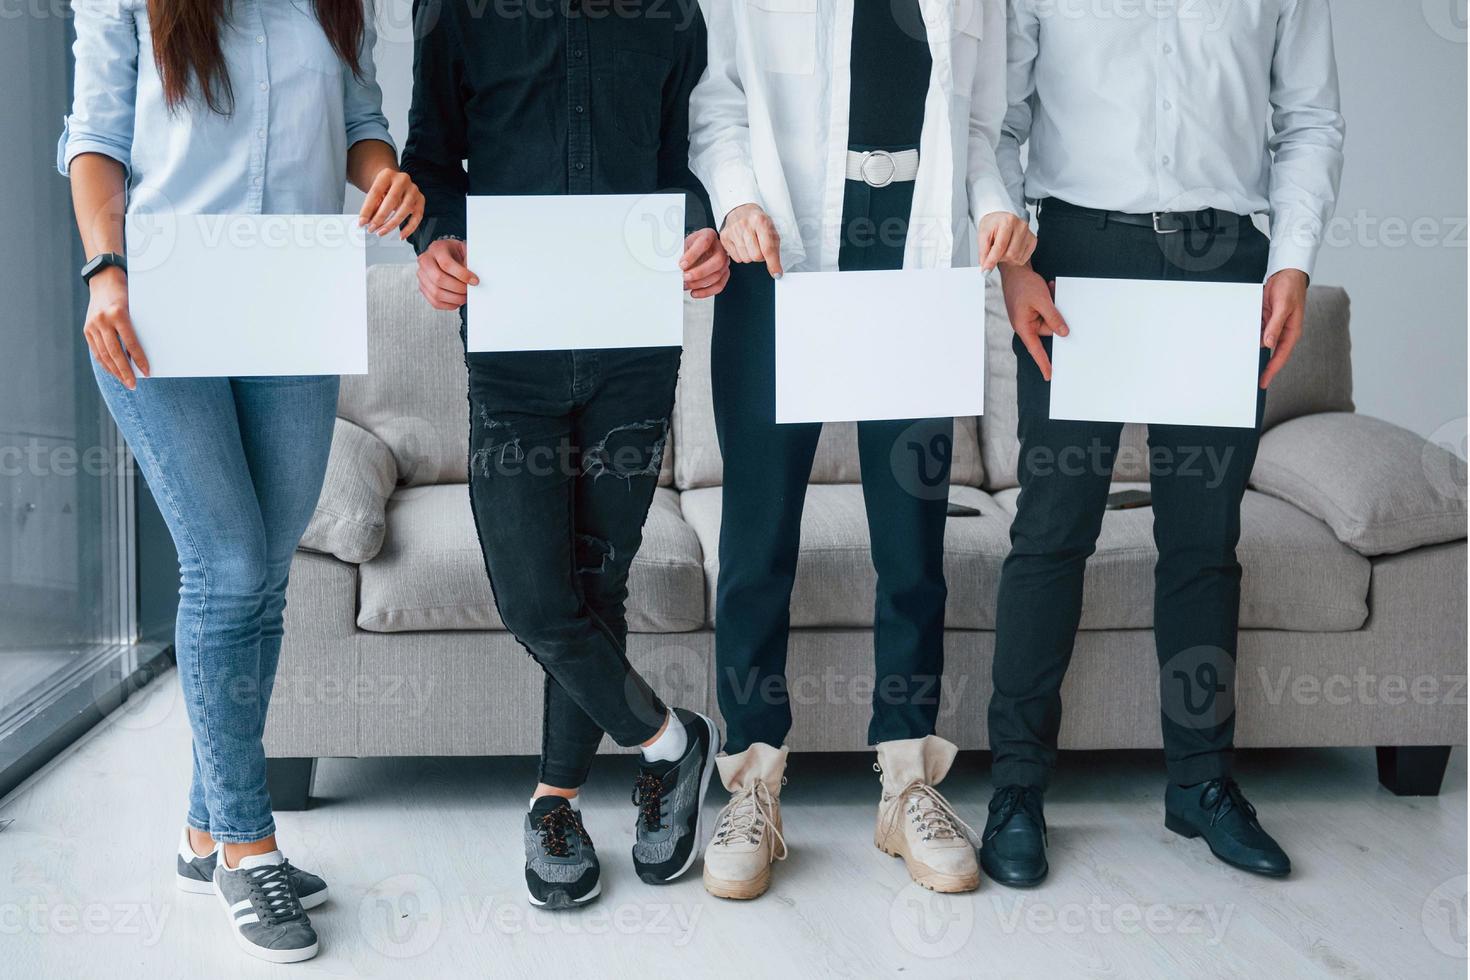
(349, 519)
(1297, 575)
(1381, 489)
(430, 574)
(697, 461)
(414, 398)
(835, 580)
(1318, 378)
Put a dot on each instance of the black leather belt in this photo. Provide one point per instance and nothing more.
(1162, 222)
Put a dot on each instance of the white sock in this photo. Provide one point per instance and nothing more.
(574, 801)
(671, 745)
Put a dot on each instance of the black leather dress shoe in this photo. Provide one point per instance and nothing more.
(1013, 847)
(1219, 812)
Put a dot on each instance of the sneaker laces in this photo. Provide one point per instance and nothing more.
(749, 814)
(648, 797)
(1012, 800)
(933, 815)
(272, 894)
(556, 828)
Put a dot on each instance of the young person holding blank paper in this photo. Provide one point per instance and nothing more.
(200, 107)
(840, 135)
(566, 445)
(1152, 140)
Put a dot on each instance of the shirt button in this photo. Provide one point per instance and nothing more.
(260, 39)
(580, 110)
(581, 166)
(260, 134)
(1166, 161)
(576, 52)
(1168, 49)
(1168, 104)
(263, 86)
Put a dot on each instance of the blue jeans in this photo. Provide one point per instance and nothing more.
(236, 465)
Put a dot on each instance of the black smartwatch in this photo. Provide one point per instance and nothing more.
(100, 262)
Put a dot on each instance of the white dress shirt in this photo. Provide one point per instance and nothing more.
(769, 123)
(1179, 106)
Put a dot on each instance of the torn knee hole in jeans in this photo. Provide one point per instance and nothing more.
(502, 445)
(627, 451)
(594, 554)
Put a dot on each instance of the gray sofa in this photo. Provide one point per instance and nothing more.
(1353, 610)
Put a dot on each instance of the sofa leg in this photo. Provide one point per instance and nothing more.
(1412, 770)
(289, 782)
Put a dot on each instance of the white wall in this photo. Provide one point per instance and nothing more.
(1399, 242)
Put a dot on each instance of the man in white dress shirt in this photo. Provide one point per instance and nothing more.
(1155, 131)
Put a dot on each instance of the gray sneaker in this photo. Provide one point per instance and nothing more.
(265, 914)
(669, 796)
(196, 875)
(561, 864)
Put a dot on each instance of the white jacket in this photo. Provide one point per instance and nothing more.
(769, 123)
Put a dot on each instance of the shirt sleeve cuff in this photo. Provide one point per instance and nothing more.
(71, 145)
(1289, 254)
(373, 130)
(735, 185)
(988, 196)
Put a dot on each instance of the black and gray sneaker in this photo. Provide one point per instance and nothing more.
(265, 914)
(669, 796)
(196, 875)
(561, 864)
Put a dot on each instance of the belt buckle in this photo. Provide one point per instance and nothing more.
(885, 157)
(1164, 231)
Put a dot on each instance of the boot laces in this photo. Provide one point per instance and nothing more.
(931, 814)
(749, 814)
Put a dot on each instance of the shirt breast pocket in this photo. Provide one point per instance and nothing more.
(638, 80)
(310, 49)
(783, 34)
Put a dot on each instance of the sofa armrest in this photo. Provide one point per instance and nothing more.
(349, 522)
(1381, 489)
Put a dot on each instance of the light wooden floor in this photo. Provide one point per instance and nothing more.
(424, 859)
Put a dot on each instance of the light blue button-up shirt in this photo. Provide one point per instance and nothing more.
(297, 108)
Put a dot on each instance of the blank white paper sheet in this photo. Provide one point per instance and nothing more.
(229, 295)
(860, 346)
(575, 272)
(1172, 353)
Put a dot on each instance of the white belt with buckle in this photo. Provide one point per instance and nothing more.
(879, 168)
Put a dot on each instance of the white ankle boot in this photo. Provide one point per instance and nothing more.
(747, 838)
(916, 823)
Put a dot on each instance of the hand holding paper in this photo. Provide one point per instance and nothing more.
(1032, 311)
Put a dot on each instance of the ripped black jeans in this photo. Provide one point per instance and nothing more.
(565, 452)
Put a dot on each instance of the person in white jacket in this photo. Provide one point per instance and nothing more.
(840, 135)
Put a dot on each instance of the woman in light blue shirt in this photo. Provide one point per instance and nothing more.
(206, 107)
